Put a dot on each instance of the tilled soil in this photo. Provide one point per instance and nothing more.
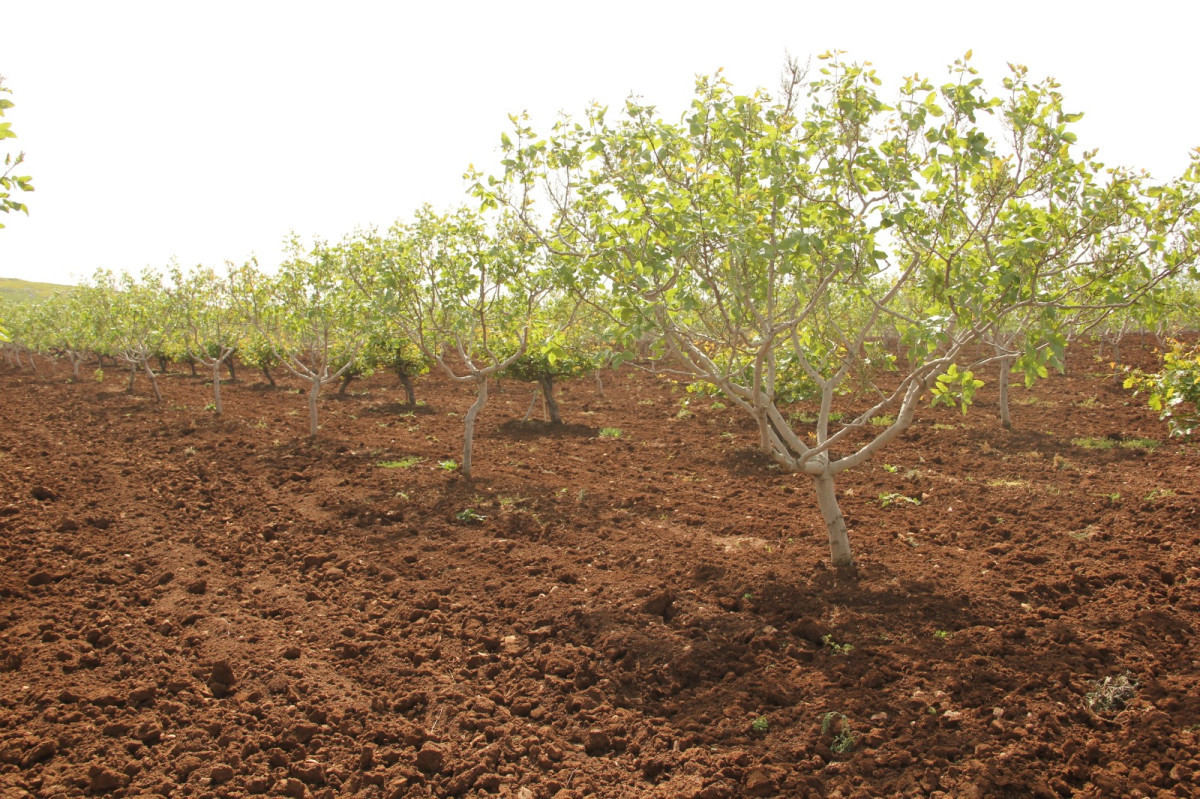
(200, 606)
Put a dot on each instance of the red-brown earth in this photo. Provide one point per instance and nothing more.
(200, 606)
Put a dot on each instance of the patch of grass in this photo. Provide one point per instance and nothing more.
(941, 635)
(1159, 493)
(884, 420)
(760, 726)
(610, 432)
(890, 469)
(469, 515)
(1111, 693)
(940, 426)
(1001, 483)
(406, 462)
(1091, 402)
(1092, 442)
(448, 465)
(802, 417)
(893, 498)
(834, 646)
(1141, 443)
(717, 406)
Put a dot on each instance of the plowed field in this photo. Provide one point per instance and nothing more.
(200, 606)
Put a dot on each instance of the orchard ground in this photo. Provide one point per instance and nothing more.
(194, 606)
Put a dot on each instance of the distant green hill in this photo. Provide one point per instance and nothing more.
(13, 290)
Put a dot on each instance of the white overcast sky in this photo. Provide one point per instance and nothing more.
(205, 132)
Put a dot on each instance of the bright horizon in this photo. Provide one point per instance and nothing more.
(157, 132)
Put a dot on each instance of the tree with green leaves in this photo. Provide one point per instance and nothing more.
(10, 182)
(465, 292)
(132, 320)
(761, 233)
(212, 326)
(309, 315)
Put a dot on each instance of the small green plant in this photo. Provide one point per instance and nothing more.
(883, 420)
(210, 407)
(802, 417)
(610, 432)
(941, 635)
(890, 469)
(98, 375)
(834, 646)
(941, 426)
(892, 498)
(717, 406)
(469, 515)
(448, 465)
(748, 595)
(1111, 693)
(760, 726)
(1159, 493)
(406, 462)
(837, 725)
(1092, 442)
(1091, 402)
(1140, 443)
(1175, 391)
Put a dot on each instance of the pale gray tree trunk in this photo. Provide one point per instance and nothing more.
(481, 386)
(217, 387)
(1005, 374)
(314, 392)
(835, 522)
(153, 381)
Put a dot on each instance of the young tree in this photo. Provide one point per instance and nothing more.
(212, 326)
(761, 232)
(132, 320)
(464, 294)
(309, 316)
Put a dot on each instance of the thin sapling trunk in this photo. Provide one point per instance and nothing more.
(481, 386)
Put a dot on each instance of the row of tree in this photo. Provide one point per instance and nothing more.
(766, 247)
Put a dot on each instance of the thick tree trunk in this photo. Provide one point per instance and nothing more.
(162, 365)
(217, 388)
(1005, 372)
(76, 360)
(229, 366)
(346, 378)
(599, 384)
(267, 374)
(547, 384)
(192, 363)
(481, 385)
(835, 522)
(132, 376)
(314, 392)
(406, 381)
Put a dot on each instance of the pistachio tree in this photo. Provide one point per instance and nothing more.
(308, 315)
(795, 230)
(132, 320)
(463, 290)
(211, 325)
(10, 182)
